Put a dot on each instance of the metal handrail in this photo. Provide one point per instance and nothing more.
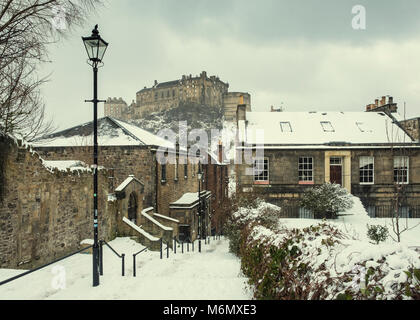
(122, 256)
(161, 248)
(43, 266)
(134, 260)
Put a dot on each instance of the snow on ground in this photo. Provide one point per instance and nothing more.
(213, 274)
(355, 220)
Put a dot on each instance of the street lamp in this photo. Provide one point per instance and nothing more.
(95, 48)
(199, 176)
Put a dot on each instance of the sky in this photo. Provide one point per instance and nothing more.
(302, 55)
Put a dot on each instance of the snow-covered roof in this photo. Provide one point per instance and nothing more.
(317, 128)
(126, 182)
(189, 199)
(111, 132)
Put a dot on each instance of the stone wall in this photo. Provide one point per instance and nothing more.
(412, 126)
(44, 215)
(121, 161)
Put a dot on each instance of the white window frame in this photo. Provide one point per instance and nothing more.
(257, 164)
(363, 161)
(309, 178)
(407, 168)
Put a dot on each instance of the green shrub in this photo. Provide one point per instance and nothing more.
(377, 233)
(326, 200)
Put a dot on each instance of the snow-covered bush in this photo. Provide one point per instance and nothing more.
(250, 210)
(326, 200)
(377, 233)
(322, 262)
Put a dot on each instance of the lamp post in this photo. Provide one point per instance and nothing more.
(95, 48)
(199, 176)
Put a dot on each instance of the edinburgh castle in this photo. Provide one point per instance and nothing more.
(199, 90)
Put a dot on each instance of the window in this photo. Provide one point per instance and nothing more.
(327, 126)
(285, 126)
(366, 165)
(163, 173)
(261, 171)
(335, 161)
(401, 169)
(306, 170)
(156, 96)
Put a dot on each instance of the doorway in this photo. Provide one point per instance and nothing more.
(132, 208)
(336, 170)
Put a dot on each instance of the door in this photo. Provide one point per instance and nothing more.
(336, 170)
(184, 232)
(132, 208)
(336, 174)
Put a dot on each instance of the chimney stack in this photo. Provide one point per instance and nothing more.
(383, 100)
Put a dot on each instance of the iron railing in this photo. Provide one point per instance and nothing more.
(134, 260)
(121, 256)
(43, 266)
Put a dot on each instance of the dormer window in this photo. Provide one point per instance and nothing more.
(285, 126)
(327, 126)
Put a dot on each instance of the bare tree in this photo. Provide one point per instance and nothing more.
(400, 173)
(26, 29)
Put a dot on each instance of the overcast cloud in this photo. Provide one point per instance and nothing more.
(303, 54)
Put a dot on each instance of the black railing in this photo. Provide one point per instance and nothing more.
(121, 256)
(161, 248)
(43, 266)
(134, 260)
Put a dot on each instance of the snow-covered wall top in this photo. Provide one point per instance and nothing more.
(314, 128)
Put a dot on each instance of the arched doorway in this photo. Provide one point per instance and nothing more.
(132, 208)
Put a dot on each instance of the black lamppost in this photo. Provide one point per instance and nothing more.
(95, 48)
(199, 176)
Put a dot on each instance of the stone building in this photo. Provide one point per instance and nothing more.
(201, 89)
(116, 108)
(46, 191)
(368, 153)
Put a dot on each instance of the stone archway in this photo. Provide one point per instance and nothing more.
(132, 207)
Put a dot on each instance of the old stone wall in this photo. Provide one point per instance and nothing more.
(121, 161)
(412, 126)
(45, 215)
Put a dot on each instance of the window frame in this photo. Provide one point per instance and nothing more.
(366, 170)
(163, 173)
(406, 169)
(303, 169)
(327, 123)
(287, 124)
(267, 170)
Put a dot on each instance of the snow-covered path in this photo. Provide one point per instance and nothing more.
(213, 274)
